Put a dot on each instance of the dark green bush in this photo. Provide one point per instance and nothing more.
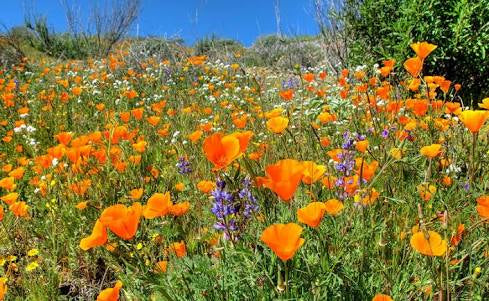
(65, 46)
(384, 29)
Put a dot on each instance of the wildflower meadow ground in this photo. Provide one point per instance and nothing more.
(199, 180)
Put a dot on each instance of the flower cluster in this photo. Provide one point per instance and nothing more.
(232, 209)
(345, 166)
(184, 166)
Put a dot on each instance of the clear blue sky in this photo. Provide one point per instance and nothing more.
(243, 20)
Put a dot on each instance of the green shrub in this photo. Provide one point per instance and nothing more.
(384, 29)
(65, 46)
(159, 49)
(284, 52)
(218, 48)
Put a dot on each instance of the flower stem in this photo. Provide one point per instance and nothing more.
(472, 157)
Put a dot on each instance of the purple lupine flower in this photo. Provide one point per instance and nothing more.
(385, 133)
(250, 204)
(291, 83)
(232, 210)
(183, 166)
(347, 163)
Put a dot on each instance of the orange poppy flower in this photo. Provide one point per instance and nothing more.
(206, 186)
(180, 186)
(179, 248)
(137, 113)
(382, 297)
(76, 91)
(162, 266)
(277, 124)
(125, 116)
(414, 84)
(10, 198)
(274, 113)
(445, 85)
(431, 151)
(8, 183)
(413, 66)
(369, 198)
(333, 207)
(287, 94)
(97, 238)
(81, 205)
(81, 187)
(367, 170)
(206, 127)
(453, 108)
(111, 293)
(195, 136)
(158, 205)
(283, 177)
(334, 154)
(483, 206)
(457, 238)
(362, 146)
(485, 103)
(325, 117)
(7, 167)
(1, 216)
(423, 49)
(312, 172)
(329, 182)
(244, 139)
(140, 147)
(197, 60)
(325, 141)
(136, 194)
(312, 214)
(19, 209)
(351, 184)
(153, 120)
(283, 239)
(447, 181)
(420, 107)
(430, 243)
(426, 190)
(389, 63)
(179, 209)
(222, 150)
(474, 119)
(3, 288)
(122, 220)
(255, 156)
(64, 138)
(240, 122)
(385, 71)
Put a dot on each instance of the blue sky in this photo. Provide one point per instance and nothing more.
(243, 20)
